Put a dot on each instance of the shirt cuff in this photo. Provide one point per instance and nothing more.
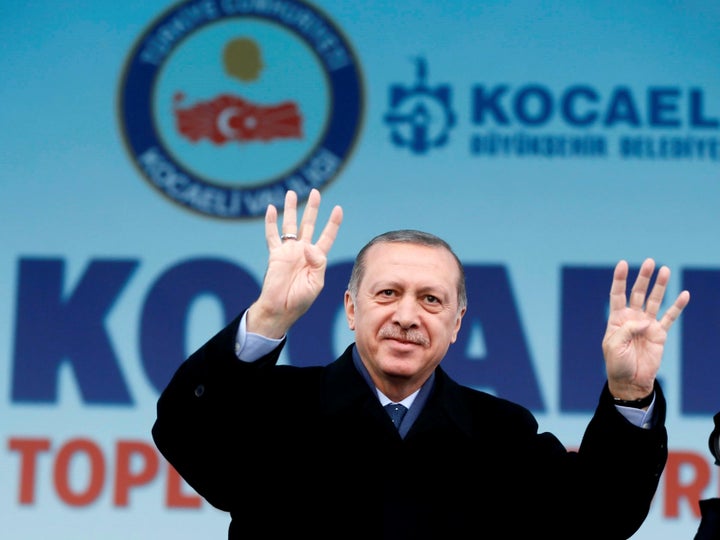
(249, 346)
(638, 417)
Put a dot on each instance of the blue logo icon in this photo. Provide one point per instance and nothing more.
(420, 117)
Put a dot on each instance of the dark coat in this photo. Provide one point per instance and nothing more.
(709, 528)
(295, 452)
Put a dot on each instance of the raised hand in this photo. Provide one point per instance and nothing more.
(295, 273)
(635, 338)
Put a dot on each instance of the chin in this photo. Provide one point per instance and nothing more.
(400, 368)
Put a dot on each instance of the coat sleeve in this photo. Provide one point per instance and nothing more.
(192, 428)
(624, 462)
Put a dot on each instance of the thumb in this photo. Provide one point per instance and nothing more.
(627, 331)
(633, 328)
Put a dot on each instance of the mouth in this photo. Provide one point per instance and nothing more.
(410, 337)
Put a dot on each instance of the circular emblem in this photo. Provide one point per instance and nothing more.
(225, 105)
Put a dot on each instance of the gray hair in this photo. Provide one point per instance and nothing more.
(407, 236)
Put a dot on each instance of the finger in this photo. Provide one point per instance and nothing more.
(675, 310)
(618, 300)
(640, 287)
(271, 231)
(289, 225)
(307, 226)
(655, 298)
(329, 233)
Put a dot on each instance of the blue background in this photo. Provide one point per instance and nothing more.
(71, 192)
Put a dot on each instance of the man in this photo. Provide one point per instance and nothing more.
(310, 452)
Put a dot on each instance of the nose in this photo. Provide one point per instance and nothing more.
(406, 312)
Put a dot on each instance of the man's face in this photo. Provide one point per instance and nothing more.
(405, 315)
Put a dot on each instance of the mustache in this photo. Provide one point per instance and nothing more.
(411, 336)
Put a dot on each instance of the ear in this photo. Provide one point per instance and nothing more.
(458, 323)
(349, 310)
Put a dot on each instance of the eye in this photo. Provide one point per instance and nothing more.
(433, 303)
(387, 292)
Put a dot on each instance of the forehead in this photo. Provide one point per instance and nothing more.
(407, 261)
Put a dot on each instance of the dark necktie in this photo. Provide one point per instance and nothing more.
(396, 412)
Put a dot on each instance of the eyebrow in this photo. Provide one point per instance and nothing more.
(434, 290)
